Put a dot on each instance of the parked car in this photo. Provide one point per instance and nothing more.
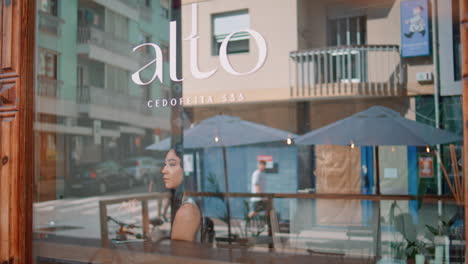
(98, 178)
(142, 168)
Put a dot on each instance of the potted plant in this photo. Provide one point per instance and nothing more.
(409, 248)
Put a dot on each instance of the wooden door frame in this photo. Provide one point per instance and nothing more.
(17, 47)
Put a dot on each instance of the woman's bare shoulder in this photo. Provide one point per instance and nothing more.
(188, 211)
(186, 222)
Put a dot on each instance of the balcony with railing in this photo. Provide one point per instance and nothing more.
(88, 95)
(362, 70)
(98, 37)
(49, 24)
(49, 87)
(117, 52)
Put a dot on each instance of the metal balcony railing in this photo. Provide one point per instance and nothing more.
(112, 99)
(83, 94)
(50, 24)
(98, 37)
(362, 70)
(49, 87)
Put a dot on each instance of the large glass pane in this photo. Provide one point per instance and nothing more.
(285, 131)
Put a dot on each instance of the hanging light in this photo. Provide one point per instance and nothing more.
(428, 149)
(216, 139)
(289, 141)
(352, 144)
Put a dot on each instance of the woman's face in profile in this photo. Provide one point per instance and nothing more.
(173, 174)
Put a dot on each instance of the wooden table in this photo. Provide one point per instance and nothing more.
(169, 251)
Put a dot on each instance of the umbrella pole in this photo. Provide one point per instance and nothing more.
(377, 192)
(228, 209)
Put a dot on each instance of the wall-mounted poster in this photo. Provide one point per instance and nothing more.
(271, 166)
(415, 31)
(426, 166)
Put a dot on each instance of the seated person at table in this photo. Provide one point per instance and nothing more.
(186, 216)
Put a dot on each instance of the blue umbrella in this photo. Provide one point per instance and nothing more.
(375, 126)
(226, 131)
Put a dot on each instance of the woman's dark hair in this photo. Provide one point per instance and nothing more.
(177, 194)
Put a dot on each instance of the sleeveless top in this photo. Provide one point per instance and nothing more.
(188, 200)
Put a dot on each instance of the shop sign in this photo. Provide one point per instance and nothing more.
(259, 40)
(414, 28)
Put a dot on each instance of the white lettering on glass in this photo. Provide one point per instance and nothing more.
(262, 52)
(158, 72)
(193, 38)
(173, 52)
(194, 69)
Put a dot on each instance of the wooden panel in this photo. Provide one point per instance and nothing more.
(17, 19)
(8, 94)
(9, 59)
(8, 192)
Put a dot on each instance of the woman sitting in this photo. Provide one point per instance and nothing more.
(186, 216)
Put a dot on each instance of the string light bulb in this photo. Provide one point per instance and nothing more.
(289, 141)
(428, 149)
(352, 144)
(216, 139)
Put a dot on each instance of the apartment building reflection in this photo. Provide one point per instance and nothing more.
(87, 108)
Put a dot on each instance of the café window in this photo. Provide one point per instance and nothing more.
(226, 23)
(49, 6)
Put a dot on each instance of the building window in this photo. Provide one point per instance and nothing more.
(117, 79)
(347, 66)
(226, 23)
(117, 25)
(96, 71)
(47, 64)
(347, 31)
(164, 10)
(89, 17)
(49, 6)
